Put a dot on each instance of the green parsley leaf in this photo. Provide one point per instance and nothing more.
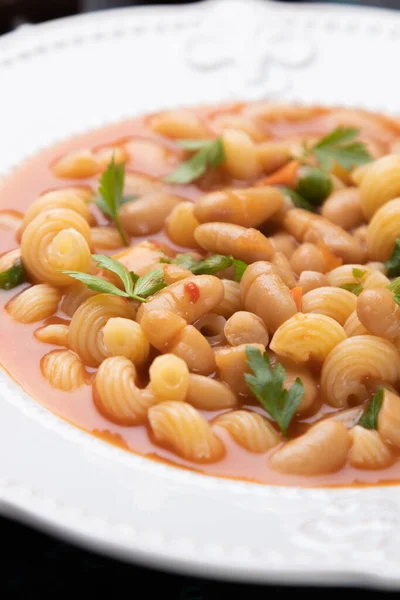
(12, 277)
(267, 385)
(111, 194)
(339, 146)
(393, 264)
(354, 288)
(97, 284)
(136, 288)
(358, 273)
(369, 419)
(240, 267)
(211, 265)
(108, 263)
(103, 206)
(186, 261)
(210, 152)
(295, 197)
(149, 284)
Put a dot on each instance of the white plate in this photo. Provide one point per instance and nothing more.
(64, 77)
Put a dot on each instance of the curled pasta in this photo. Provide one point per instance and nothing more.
(116, 394)
(383, 230)
(169, 378)
(336, 303)
(323, 449)
(306, 336)
(212, 326)
(181, 225)
(389, 419)
(184, 430)
(379, 183)
(36, 303)
(345, 274)
(246, 244)
(74, 296)
(232, 366)
(368, 450)
(63, 370)
(85, 334)
(249, 429)
(355, 362)
(241, 157)
(55, 240)
(264, 293)
(124, 337)
(56, 334)
(246, 328)
(205, 393)
(232, 301)
(248, 207)
(353, 326)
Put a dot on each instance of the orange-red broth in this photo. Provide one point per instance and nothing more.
(21, 352)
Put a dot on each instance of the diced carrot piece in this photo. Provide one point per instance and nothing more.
(331, 260)
(297, 294)
(287, 175)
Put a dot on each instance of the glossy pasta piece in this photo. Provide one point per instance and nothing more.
(353, 326)
(232, 366)
(179, 124)
(205, 393)
(56, 334)
(232, 301)
(354, 363)
(241, 157)
(147, 215)
(85, 334)
(389, 418)
(63, 370)
(264, 293)
(345, 274)
(106, 238)
(169, 378)
(307, 336)
(34, 304)
(179, 426)
(124, 337)
(116, 394)
(379, 183)
(56, 240)
(74, 296)
(56, 199)
(383, 230)
(323, 449)
(343, 208)
(246, 328)
(246, 244)
(309, 227)
(248, 207)
(336, 303)
(249, 429)
(212, 327)
(181, 225)
(77, 164)
(379, 313)
(368, 450)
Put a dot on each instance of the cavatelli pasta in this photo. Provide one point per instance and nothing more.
(249, 429)
(36, 303)
(63, 370)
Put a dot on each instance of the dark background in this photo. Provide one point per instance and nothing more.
(34, 563)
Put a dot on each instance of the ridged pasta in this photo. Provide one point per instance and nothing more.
(63, 370)
(74, 296)
(249, 429)
(182, 428)
(232, 301)
(106, 238)
(353, 326)
(36, 303)
(85, 334)
(124, 337)
(345, 274)
(332, 302)
(368, 450)
(379, 183)
(353, 363)
(169, 378)
(306, 336)
(383, 230)
(55, 240)
(212, 327)
(56, 334)
(116, 394)
(205, 393)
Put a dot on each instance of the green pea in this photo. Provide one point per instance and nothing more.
(314, 185)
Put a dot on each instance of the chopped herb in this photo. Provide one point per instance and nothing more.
(12, 277)
(240, 267)
(209, 153)
(267, 385)
(110, 194)
(369, 419)
(208, 266)
(135, 287)
(295, 197)
(354, 288)
(340, 146)
(358, 273)
(393, 264)
(394, 286)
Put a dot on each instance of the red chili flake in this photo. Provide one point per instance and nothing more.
(192, 291)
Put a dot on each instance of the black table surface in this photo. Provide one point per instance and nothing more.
(38, 563)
